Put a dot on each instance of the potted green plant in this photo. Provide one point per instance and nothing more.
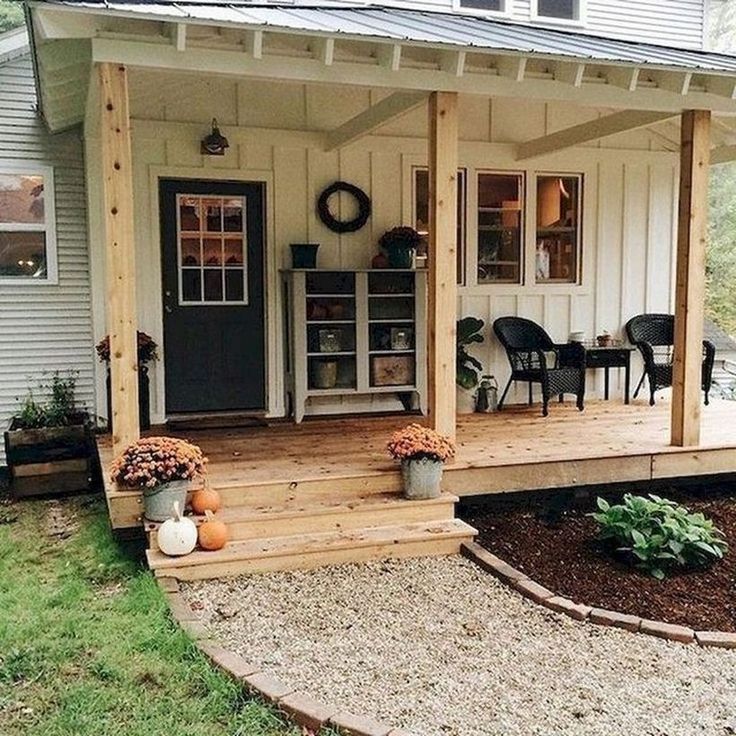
(163, 468)
(147, 353)
(49, 443)
(399, 244)
(423, 454)
(468, 368)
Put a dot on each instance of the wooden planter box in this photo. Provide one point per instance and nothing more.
(51, 460)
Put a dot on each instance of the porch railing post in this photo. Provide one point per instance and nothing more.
(117, 195)
(692, 228)
(443, 161)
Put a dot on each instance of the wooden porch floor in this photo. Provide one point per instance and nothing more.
(516, 449)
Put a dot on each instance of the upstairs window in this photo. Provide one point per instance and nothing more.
(559, 10)
(483, 6)
(27, 247)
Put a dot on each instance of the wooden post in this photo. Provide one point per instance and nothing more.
(692, 228)
(442, 314)
(117, 194)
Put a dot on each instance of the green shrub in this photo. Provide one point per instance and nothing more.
(658, 535)
(59, 410)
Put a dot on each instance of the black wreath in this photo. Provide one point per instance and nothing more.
(344, 226)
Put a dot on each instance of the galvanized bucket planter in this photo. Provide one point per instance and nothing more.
(158, 502)
(422, 478)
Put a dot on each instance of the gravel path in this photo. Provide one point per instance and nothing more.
(443, 649)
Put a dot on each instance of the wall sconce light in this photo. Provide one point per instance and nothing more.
(215, 143)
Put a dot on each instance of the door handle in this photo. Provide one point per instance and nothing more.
(168, 309)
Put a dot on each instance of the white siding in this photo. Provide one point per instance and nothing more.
(628, 210)
(45, 328)
(666, 22)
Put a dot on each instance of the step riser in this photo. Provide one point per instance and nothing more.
(310, 523)
(315, 491)
(317, 558)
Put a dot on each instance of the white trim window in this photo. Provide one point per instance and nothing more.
(27, 225)
(559, 11)
(558, 233)
(483, 7)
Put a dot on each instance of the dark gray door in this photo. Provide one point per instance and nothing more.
(212, 237)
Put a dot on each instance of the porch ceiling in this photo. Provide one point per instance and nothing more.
(368, 46)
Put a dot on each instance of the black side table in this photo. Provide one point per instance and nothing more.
(615, 356)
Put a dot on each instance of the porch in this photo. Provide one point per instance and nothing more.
(282, 465)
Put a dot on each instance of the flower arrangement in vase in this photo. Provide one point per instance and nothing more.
(423, 454)
(399, 244)
(163, 468)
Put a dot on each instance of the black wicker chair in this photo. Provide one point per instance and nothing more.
(654, 335)
(528, 346)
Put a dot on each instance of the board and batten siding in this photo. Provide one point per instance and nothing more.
(44, 328)
(274, 133)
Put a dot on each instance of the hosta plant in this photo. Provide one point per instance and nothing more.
(658, 535)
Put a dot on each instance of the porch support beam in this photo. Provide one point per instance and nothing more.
(117, 197)
(692, 228)
(617, 122)
(443, 162)
(382, 112)
(722, 155)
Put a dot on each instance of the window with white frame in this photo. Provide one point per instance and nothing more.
(559, 10)
(559, 214)
(482, 6)
(420, 183)
(27, 233)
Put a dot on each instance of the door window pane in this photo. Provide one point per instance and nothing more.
(558, 228)
(421, 215)
(211, 235)
(500, 207)
(23, 254)
(565, 9)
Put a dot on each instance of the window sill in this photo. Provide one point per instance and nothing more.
(559, 22)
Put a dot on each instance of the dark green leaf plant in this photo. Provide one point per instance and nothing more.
(659, 535)
(468, 367)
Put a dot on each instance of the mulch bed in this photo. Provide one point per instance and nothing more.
(553, 542)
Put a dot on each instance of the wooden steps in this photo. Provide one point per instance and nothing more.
(300, 516)
(305, 551)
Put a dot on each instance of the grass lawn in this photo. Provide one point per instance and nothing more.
(86, 646)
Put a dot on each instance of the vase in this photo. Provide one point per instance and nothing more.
(421, 478)
(401, 257)
(304, 255)
(158, 502)
(324, 374)
(465, 400)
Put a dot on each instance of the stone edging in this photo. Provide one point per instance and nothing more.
(299, 707)
(581, 612)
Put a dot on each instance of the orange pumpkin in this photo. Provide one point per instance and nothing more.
(212, 533)
(206, 499)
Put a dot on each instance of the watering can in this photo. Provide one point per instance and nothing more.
(487, 397)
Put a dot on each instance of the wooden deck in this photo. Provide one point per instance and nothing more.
(513, 450)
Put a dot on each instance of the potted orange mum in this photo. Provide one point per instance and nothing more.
(423, 454)
(163, 468)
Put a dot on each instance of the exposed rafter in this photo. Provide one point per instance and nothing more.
(254, 44)
(453, 62)
(179, 36)
(389, 56)
(324, 50)
(677, 82)
(387, 109)
(624, 77)
(512, 67)
(569, 72)
(617, 122)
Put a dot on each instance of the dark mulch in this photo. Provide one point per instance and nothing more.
(554, 543)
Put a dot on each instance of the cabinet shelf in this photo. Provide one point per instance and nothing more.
(374, 306)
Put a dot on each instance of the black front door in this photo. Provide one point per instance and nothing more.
(212, 237)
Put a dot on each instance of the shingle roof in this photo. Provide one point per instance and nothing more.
(419, 26)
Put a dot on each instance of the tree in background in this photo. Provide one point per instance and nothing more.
(721, 264)
(11, 14)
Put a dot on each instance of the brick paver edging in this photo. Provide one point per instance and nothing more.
(299, 707)
(582, 612)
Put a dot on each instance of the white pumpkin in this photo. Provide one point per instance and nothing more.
(177, 536)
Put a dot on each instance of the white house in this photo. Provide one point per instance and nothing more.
(556, 124)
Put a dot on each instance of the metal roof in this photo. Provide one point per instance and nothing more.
(418, 27)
